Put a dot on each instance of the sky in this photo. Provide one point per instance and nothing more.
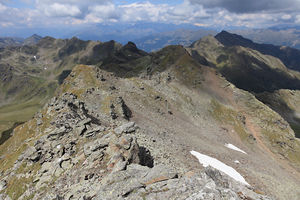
(19, 17)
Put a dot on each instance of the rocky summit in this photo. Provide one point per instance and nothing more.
(124, 124)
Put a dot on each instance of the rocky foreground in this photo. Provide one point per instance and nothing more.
(79, 157)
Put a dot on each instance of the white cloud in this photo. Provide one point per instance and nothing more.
(67, 8)
(146, 11)
(228, 18)
(143, 12)
(286, 17)
(62, 10)
(212, 13)
(251, 6)
(2, 7)
(102, 13)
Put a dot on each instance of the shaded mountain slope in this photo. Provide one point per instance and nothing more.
(250, 70)
(246, 68)
(287, 104)
(14, 41)
(84, 139)
(10, 41)
(289, 56)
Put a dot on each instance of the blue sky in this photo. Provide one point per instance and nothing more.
(19, 17)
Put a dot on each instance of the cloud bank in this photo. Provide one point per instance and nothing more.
(250, 6)
(208, 13)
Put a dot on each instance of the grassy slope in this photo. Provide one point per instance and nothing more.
(33, 82)
(25, 105)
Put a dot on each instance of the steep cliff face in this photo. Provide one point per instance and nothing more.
(113, 135)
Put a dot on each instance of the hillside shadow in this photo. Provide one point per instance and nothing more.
(5, 135)
(284, 111)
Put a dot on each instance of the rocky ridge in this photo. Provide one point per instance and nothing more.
(289, 56)
(247, 68)
(29, 74)
(79, 157)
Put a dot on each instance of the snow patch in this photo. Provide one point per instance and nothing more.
(231, 146)
(237, 162)
(209, 161)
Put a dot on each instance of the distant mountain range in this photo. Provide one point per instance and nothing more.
(149, 39)
(288, 37)
(16, 41)
(181, 37)
(281, 37)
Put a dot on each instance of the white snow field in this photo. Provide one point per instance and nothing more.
(231, 146)
(209, 161)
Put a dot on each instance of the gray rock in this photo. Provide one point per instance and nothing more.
(66, 164)
(47, 167)
(32, 154)
(97, 155)
(218, 178)
(3, 185)
(39, 122)
(80, 130)
(56, 134)
(4, 197)
(158, 173)
(93, 132)
(119, 166)
(126, 128)
(125, 141)
(95, 145)
(84, 122)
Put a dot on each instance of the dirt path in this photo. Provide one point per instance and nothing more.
(256, 134)
(228, 93)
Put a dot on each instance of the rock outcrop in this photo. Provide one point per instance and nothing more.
(78, 157)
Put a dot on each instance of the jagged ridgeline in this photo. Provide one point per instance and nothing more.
(121, 122)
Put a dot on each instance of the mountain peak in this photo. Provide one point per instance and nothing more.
(35, 36)
(230, 39)
(130, 46)
(289, 56)
(32, 39)
(130, 51)
(207, 41)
